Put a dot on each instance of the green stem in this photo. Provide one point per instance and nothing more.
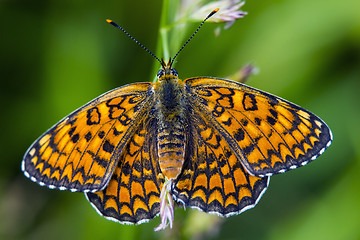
(162, 49)
(169, 30)
(165, 43)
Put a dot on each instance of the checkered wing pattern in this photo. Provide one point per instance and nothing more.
(132, 195)
(213, 178)
(267, 134)
(81, 152)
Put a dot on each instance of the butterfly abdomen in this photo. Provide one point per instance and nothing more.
(171, 151)
(169, 94)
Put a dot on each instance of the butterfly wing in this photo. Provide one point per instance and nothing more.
(81, 151)
(268, 134)
(132, 195)
(213, 179)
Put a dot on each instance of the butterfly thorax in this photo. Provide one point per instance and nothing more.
(170, 105)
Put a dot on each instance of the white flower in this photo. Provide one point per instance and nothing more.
(166, 207)
(228, 13)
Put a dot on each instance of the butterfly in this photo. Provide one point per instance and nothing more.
(207, 143)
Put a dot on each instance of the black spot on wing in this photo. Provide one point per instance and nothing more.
(75, 138)
(239, 135)
(271, 120)
(108, 147)
(88, 136)
(101, 134)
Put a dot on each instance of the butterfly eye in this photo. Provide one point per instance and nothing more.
(160, 73)
(174, 72)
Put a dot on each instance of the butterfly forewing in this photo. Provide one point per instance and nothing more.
(268, 134)
(213, 179)
(132, 195)
(81, 151)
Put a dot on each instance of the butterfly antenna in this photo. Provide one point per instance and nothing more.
(136, 41)
(209, 16)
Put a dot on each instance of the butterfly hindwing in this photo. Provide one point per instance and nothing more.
(268, 134)
(132, 195)
(81, 151)
(213, 179)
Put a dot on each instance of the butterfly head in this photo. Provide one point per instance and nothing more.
(166, 71)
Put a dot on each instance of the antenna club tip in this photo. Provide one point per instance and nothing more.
(109, 21)
(212, 13)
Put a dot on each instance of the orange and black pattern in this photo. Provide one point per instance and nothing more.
(234, 138)
(269, 135)
(213, 179)
(81, 151)
(132, 195)
(212, 144)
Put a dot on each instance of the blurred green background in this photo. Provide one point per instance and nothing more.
(57, 55)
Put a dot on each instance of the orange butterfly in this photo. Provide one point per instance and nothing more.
(207, 143)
